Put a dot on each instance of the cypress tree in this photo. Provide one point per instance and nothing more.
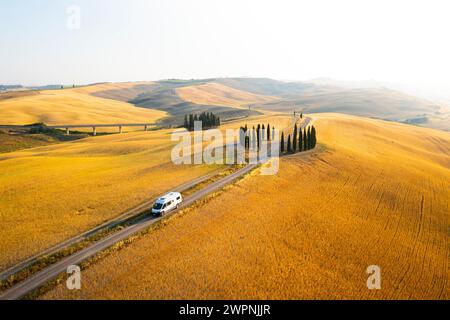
(253, 138)
(313, 136)
(191, 122)
(282, 142)
(258, 136)
(300, 141)
(242, 136)
(309, 138)
(305, 140)
(268, 132)
(289, 149)
(294, 139)
(186, 121)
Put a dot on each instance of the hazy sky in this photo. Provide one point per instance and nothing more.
(118, 40)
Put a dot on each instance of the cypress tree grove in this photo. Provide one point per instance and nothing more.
(294, 139)
(282, 142)
(208, 120)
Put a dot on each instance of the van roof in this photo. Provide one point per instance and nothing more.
(168, 196)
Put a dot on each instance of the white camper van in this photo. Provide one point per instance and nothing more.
(167, 203)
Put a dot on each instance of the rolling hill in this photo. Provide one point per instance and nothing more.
(220, 95)
(72, 106)
(229, 98)
(373, 193)
(164, 96)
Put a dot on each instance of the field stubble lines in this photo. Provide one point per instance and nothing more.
(327, 240)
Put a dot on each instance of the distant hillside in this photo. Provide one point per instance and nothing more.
(214, 93)
(376, 102)
(369, 102)
(231, 98)
(4, 87)
(163, 96)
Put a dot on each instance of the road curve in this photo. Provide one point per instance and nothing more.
(52, 271)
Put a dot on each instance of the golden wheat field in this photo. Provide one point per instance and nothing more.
(220, 95)
(374, 193)
(109, 86)
(51, 193)
(74, 106)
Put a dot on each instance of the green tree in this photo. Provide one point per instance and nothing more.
(309, 137)
(313, 137)
(294, 139)
(289, 148)
(258, 136)
(191, 122)
(300, 141)
(282, 142)
(305, 140)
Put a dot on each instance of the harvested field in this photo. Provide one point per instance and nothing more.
(374, 193)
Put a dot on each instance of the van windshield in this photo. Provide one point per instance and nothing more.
(157, 206)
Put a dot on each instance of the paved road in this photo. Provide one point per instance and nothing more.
(54, 270)
(109, 224)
